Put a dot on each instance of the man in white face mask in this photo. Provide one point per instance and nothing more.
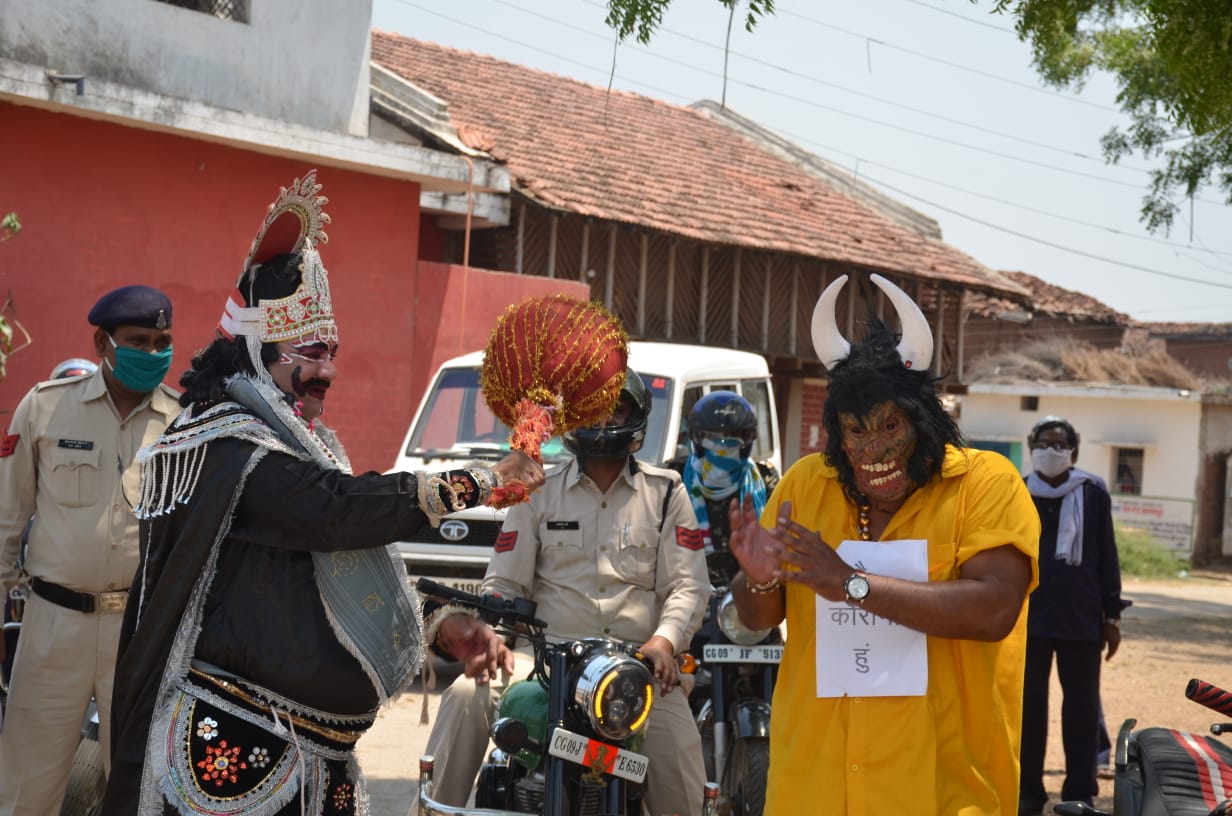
(1075, 612)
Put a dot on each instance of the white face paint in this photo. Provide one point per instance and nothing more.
(305, 371)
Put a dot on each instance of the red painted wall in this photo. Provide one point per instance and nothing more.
(468, 302)
(104, 205)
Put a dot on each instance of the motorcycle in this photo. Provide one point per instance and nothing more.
(84, 793)
(731, 696)
(1166, 772)
(566, 736)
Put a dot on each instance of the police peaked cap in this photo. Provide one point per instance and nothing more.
(142, 306)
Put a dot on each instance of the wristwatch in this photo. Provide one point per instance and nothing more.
(857, 588)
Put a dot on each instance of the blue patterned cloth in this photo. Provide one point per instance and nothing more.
(717, 475)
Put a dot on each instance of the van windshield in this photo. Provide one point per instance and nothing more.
(456, 422)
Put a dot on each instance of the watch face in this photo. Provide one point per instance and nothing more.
(857, 587)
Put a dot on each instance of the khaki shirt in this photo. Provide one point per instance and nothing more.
(606, 563)
(67, 459)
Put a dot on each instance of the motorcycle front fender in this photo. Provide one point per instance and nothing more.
(751, 718)
(427, 806)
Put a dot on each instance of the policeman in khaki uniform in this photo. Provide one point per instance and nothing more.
(608, 546)
(68, 460)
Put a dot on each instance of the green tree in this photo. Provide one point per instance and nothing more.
(643, 17)
(1172, 61)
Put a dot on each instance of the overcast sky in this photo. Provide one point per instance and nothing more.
(933, 101)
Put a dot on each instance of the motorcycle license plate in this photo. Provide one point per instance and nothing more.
(465, 585)
(591, 752)
(731, 653)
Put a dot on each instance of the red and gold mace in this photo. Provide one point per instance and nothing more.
(553, 363)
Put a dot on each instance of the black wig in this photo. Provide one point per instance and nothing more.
(874, 373)
(203, 383)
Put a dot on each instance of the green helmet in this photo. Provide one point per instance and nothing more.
(526, 701)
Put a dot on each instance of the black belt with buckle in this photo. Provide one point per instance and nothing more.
(87, 602)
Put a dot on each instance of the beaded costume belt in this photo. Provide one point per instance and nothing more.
(237, 692)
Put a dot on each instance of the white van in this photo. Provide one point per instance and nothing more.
(453, 425)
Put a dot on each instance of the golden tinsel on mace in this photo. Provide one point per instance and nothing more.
(553, 363)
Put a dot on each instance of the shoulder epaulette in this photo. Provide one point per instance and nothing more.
(45, 384)
(660, 472)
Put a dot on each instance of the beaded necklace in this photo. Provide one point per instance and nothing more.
(863, 510)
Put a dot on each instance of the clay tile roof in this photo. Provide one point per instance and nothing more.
(1060, 302)
(1200, 330)
(623, 157)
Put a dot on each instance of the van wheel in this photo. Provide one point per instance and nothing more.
(86, 781)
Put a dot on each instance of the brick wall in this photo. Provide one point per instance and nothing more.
(104, 205)
(812, 435)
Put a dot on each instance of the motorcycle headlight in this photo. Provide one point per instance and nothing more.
(616, 691)
(734, 628)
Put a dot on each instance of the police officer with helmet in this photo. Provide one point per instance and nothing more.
(607, 547)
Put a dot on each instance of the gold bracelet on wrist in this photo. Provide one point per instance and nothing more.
(762, 589)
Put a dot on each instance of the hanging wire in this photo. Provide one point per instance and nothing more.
(727, 53)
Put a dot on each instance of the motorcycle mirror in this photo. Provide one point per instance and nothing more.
(511, 736)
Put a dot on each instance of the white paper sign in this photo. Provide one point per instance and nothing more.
(860, 654)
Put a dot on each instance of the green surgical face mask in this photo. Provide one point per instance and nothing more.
(140, 371)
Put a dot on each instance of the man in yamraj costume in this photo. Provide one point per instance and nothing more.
(902, 562)
(270, 618)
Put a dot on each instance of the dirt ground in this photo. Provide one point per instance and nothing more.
(1174, 631)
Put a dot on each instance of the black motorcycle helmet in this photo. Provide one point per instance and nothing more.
(615, 441)
(725, 412)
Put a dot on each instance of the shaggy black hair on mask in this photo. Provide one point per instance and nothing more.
(874, 373)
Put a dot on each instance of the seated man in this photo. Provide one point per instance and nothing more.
(623, 559)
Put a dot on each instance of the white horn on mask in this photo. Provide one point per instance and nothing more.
(831, 347)
(915, 348)
(916, 345)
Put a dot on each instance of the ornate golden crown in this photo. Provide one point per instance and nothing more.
(294, 224)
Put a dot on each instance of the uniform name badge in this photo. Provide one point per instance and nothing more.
(860, 654)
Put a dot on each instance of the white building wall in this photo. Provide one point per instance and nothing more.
(300, 61)
(1163, 422)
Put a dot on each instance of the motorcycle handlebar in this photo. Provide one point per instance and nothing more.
(1213, 697)
(492, 608)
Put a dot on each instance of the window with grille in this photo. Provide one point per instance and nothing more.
(1127, 471)
(236, 10)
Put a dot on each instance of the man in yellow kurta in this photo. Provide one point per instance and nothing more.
(894, 470)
